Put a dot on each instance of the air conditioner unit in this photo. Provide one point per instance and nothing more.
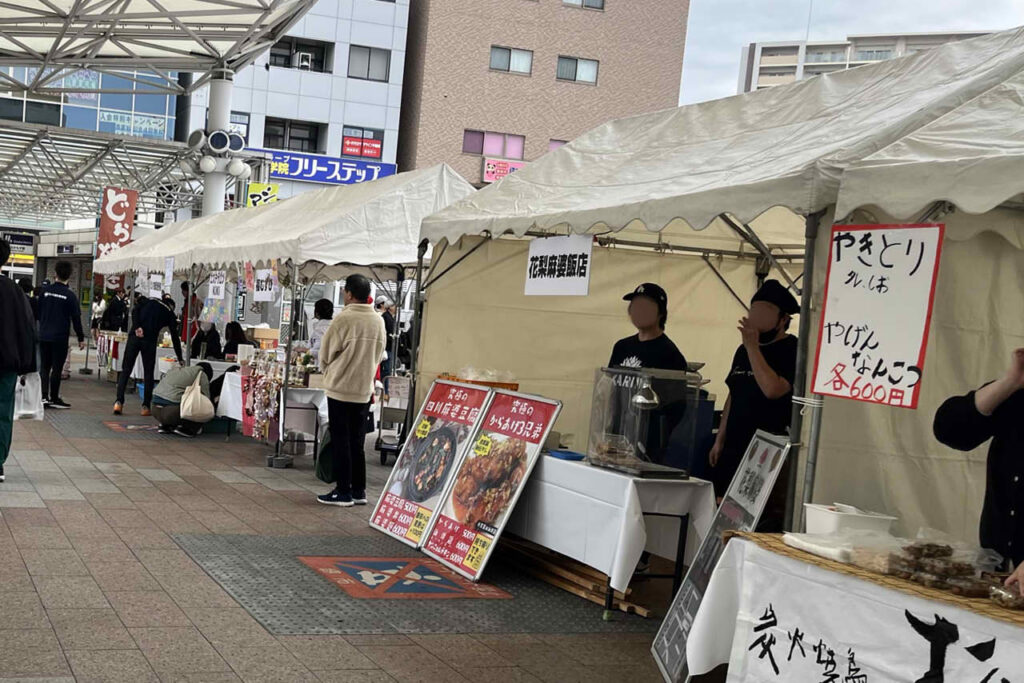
(302, 60)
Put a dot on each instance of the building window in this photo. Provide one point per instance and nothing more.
(239, 123)
(301, 53)
(42, 112)
(587, 4)
(362, 142)
(578, 70)
(555, 144)
(298, 136)
(368, 63)
(491, 144)
(13, 110)
(512, 60)
(872, 55)
(79, 117)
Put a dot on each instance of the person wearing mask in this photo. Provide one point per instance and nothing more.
(650, 347)
(99, 307)
(115, 318)
(168, 393)
(143, 339)
(323, 314)
(993, 413)
(760, 392)
(349, 355)
(17, 350)
(58, 311)
(210, 337)
(234, 336)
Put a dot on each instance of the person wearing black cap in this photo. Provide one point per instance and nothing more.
(650, 347)
(760, 383)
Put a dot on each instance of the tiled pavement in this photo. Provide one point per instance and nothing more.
(94, 588)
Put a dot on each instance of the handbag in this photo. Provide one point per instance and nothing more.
(325, 461)
(195, 407)
(28, 397)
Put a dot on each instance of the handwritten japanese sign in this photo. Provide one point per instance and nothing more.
(168, 273)
(559, 266)
(878, 305)
(117, 218)
(316, 168)
(263, 285)
(481, 495)
(259, 194)
(215, 289)
(447, 417)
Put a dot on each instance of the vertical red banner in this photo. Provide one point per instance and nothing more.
(117, 218)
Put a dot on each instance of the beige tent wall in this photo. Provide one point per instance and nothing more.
(886, 459)
(477, 316)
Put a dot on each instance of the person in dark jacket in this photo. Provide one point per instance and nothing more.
(58, 311)
(210, 337)
(143, 339)
(234, 336)
(26, 286)
(17, 350)
(115, 318)
(994, 412)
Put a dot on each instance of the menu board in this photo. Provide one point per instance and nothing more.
(435, 447)
(478, 501)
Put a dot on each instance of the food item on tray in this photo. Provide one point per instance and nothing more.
(1006, 597)
(430, 465)
(970, 587)
(922, 549)
(615, 450)
(930, 580)
(948, 567)
(883, 561)
(485, 484)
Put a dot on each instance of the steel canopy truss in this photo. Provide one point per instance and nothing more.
(63, 37)
(58, 173)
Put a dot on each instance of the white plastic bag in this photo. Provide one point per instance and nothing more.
(195, 407)
(28, 397)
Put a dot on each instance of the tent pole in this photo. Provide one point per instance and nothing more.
(397, 303)
(812, 462)
(812, 222)
(414, 338)
(287, 361)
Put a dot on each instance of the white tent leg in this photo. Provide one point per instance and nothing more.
(287, 364)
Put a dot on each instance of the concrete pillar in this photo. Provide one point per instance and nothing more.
(218, 118)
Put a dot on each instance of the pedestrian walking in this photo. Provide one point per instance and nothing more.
(349, 355)
(17, 350)
(150, 320)
(59, 310)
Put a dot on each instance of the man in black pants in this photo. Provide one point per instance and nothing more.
(143, 339)
(58, 311)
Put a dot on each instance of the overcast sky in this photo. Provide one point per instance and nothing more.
(718, 29)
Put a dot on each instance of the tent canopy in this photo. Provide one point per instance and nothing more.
(367, 224)
(785, 146)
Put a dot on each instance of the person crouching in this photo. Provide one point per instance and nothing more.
(168, 393)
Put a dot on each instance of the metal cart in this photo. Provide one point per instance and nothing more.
(393, 413)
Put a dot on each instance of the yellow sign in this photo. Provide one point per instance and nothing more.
(483, 446)
(422, 429)
(477, 552)
(261, 193)
(419, 525)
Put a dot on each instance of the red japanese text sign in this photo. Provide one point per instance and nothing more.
(878, 305)
(117, 218)
(436, 445)
(483, 492)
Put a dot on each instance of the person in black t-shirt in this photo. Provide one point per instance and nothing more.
(650, 347)
(760, 384)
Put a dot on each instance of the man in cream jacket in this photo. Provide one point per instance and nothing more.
(349, 355)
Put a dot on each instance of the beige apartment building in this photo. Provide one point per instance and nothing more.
(763, 65)
(492, 84)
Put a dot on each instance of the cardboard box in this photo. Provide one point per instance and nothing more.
(316, 380)
(259, 333)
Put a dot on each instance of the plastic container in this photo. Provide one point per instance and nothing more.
(831, 519)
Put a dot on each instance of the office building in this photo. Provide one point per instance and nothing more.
(763, 65)
(492, 84)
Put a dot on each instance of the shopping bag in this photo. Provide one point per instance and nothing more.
(325, 461)
(28, 397)
(195, 407)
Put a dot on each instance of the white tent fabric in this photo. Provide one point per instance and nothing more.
(785, 146)
(374, 223)
(155, 245)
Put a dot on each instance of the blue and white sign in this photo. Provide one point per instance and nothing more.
(316, 168)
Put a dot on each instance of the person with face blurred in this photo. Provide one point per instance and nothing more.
(760, 383)
(650, 347)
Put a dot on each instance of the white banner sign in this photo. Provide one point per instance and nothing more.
(142, 279)
(790, 621)
(559, 266)
(878, 306)
(156, 285)
(168, 273)
(263, 286)
(216, 284)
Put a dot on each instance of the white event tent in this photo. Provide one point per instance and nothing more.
(933, 134)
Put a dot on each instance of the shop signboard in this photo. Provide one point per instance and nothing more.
(740, 511)
(878, 305)
(434, 449)
(481, 495)
(263, 285)
(215, 288)
(559, 266)
(259, 194)
(317, 168)
(496, 169)
(117, 219)
(65, 249)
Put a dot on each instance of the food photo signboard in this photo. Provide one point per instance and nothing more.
(474, 509)
(434, 449)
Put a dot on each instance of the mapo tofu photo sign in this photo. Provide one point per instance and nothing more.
(878, 306)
